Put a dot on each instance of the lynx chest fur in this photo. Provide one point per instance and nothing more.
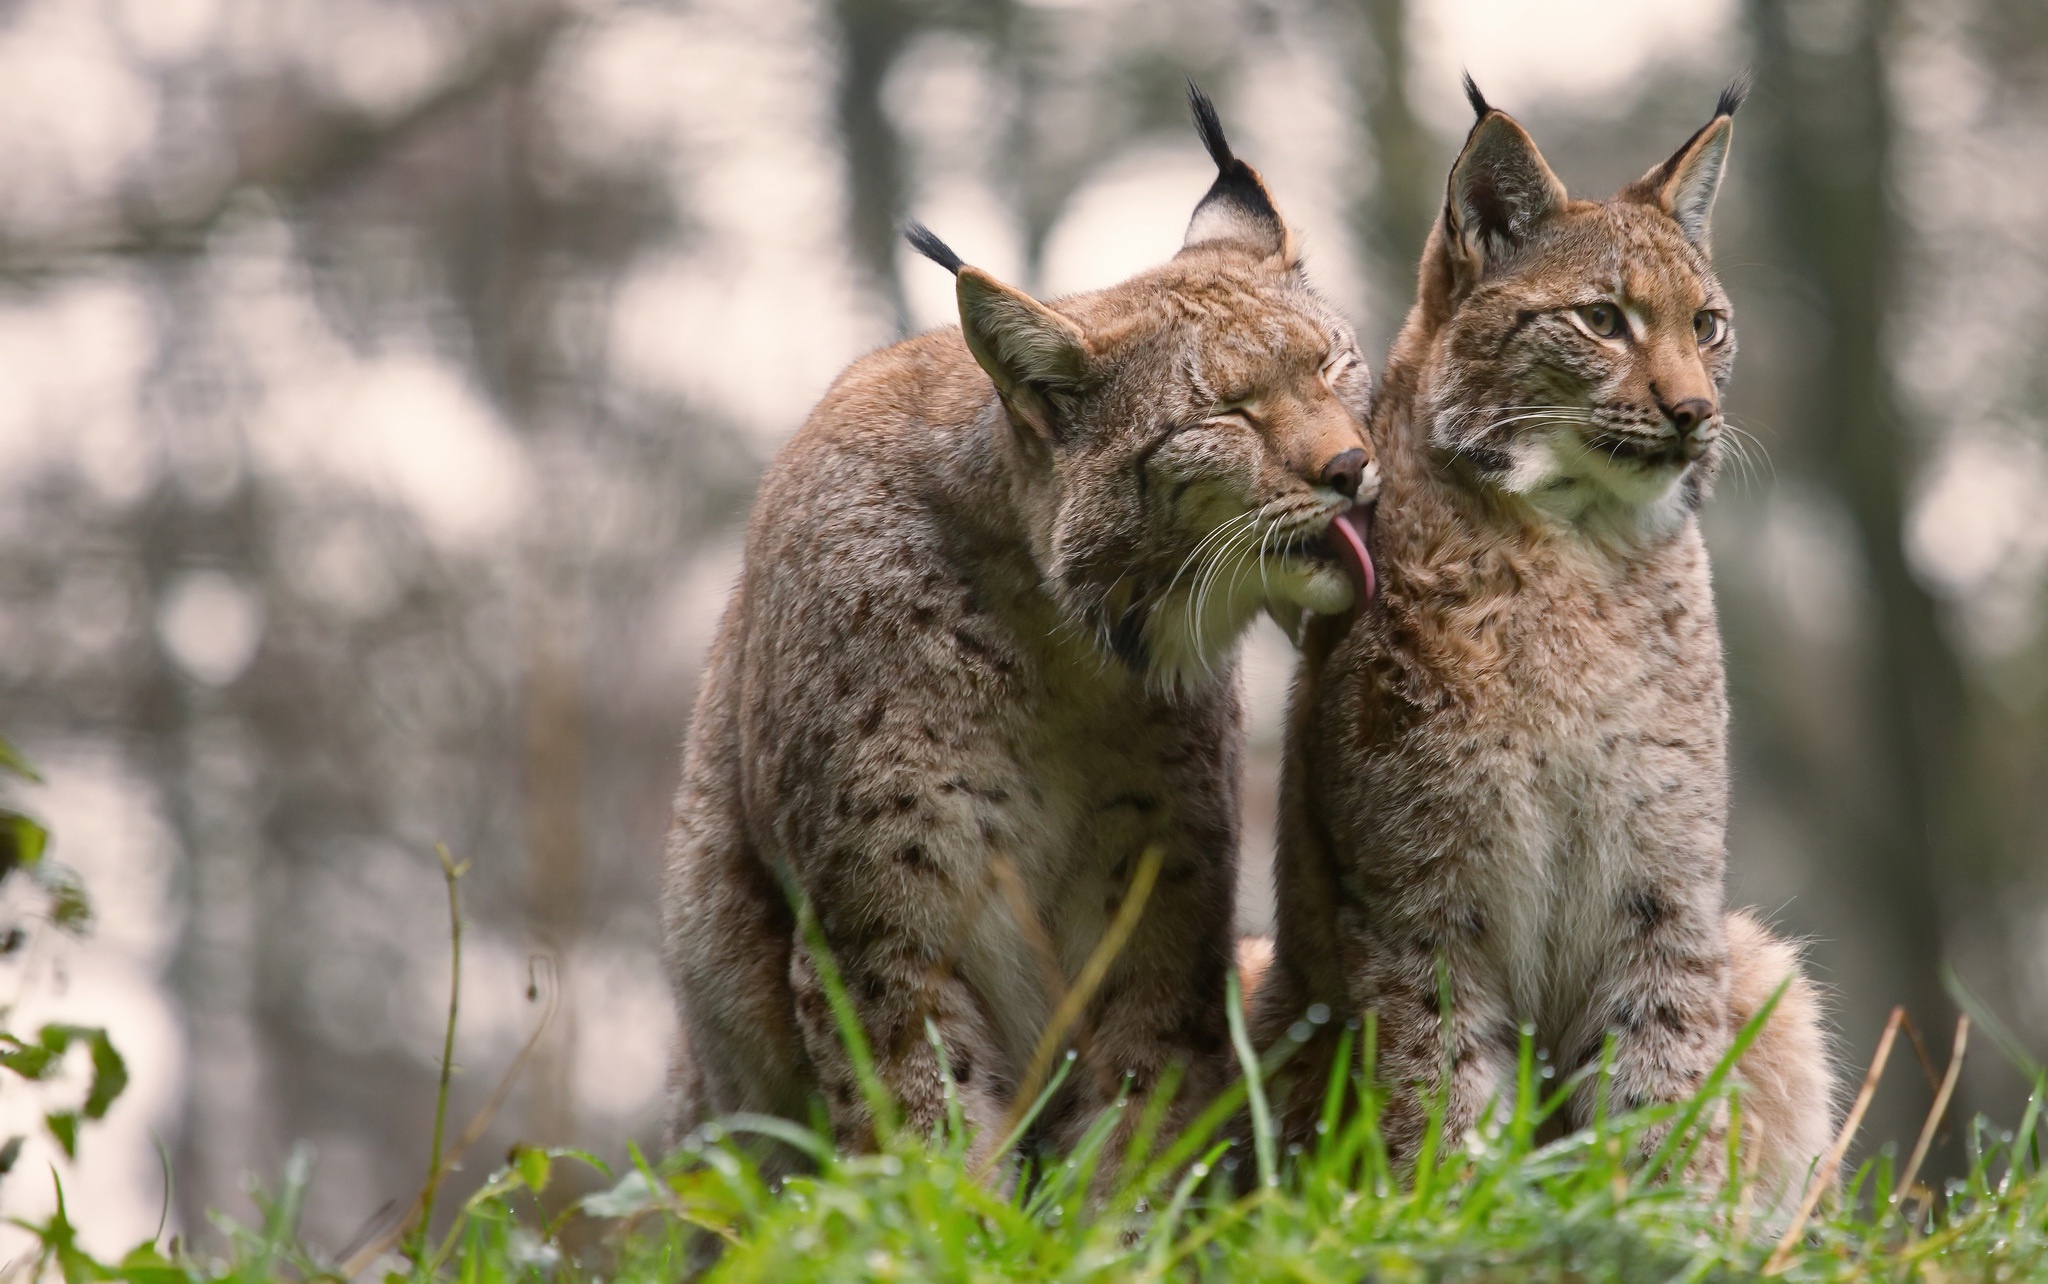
(1543, 724)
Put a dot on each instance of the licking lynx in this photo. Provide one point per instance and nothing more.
(981, 651)
(1509, 776)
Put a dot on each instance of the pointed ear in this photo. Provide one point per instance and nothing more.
(1501, 190)
(1037, 358)
(1684, 186)
(1237, 207)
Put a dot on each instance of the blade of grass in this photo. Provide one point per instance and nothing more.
(1935, 1112)
(478, 1124)
(881, 1105)
(1685, 1135)
(1818, 1183)
(1264, 1151)
(1333, 1091)
(451, 874)
(1076, 999)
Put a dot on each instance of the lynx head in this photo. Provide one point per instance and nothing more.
(1190, 440)
(1578, 348)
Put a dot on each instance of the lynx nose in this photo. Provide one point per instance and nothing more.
(1344, 472)
(1688, 415)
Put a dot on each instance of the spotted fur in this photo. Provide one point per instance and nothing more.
(986, 621)
(1510, 775)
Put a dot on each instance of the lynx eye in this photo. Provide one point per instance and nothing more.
(1709, 327)
(1604, 320)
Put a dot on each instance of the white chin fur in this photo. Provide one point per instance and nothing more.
(1315, 586)
(1563, 476)
(1188, 649)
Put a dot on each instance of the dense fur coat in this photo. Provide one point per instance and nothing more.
(1513, 767)
(982, 643)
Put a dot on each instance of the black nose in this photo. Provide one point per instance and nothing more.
(1344, 471)
(1688, 415)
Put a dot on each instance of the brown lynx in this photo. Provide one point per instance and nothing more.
(986, 623)
(1514, 766)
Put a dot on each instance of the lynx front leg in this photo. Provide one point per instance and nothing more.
(1664, 998)
(891, 911)
(1160, 1012)
(894, 989)
(1465, 1052)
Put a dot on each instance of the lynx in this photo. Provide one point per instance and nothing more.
(985, 628)
(1513, 767)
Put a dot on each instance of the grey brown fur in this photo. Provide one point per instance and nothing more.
(1514, 767)
(989, 599)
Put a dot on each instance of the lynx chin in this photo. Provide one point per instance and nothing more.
(980, 658)
(1511, 772)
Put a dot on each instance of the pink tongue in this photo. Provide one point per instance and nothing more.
(1351, 547)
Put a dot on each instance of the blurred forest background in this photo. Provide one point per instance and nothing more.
(382, 385)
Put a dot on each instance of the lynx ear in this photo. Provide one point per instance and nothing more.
(1237, 206)
(1501, 190)
(1684, 186)
(1036, 357)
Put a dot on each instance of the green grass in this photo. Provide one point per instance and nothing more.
(1219, 1201)
(1504, 1207)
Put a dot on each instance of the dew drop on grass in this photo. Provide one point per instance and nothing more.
(1548, 1072)
(1318, 1014)
(1299, 1032)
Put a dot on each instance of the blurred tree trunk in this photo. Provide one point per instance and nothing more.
(1829, 127)
(1392, 219)
(518, 359)
(872, 34)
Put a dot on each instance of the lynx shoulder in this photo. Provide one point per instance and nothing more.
(1515, 762)
(980, 659)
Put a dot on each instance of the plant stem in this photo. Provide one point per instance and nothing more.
(450, 874)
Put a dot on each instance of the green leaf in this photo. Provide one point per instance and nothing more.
(63, 1125)
(22, 841)
(70, 909)
(29, 1060)
(12, 763)
(533, 1164)
(144, 1264)
(109, 1076)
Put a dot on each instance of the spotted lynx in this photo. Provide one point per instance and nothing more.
(986, 622)
(1514, 764)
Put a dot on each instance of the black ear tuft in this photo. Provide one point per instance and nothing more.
(1478, 100)
(1237, 207)
(925, 242)
(1733, 95)
(1210, 126)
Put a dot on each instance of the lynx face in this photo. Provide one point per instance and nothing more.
(1226, 469)
(1583, 365)
(1192, 439)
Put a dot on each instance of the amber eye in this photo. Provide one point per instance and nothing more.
(1709, 328)
(1603, 319)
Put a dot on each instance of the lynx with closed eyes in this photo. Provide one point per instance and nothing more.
(980, 662)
